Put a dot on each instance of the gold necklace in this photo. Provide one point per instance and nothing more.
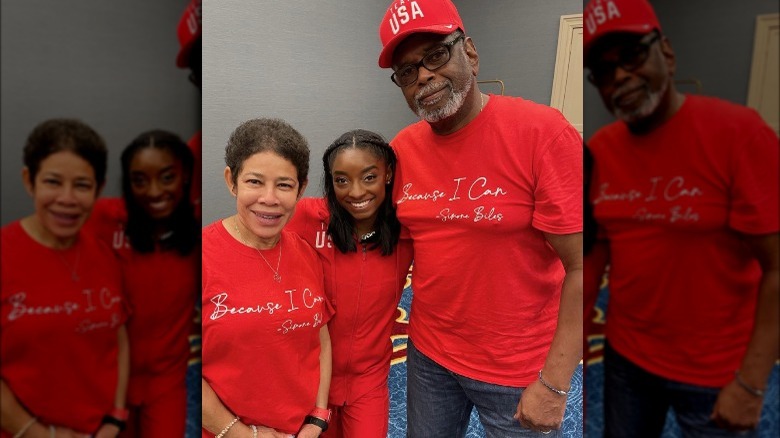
(73, 275)
(277, 276)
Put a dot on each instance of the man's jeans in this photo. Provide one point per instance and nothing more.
(636, 403)
(439, 403)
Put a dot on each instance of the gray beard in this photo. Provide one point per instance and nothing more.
(453, 104)
(647, 108)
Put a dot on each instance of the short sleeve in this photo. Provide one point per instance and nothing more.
(558, 185)
(307, 211)
(755, 182)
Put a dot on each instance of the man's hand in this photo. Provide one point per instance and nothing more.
(736, 409)
(540, 409)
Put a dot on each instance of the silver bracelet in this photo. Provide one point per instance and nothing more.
(25, 427)
(755, 391)
(254, 431)
(227, 428)
(555, 390)
(52, 431)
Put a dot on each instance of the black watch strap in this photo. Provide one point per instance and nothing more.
(108, 419)
(317, 422)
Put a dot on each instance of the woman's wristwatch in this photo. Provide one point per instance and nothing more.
(117, 417)
(319, 417)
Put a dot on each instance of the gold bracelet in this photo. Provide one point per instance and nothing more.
(227, 428)
(25, 427)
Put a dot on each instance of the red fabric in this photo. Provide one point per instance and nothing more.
(364, 288)
(188, 31)
(683, 285)
(404, 18)
(486, 282)
(366, 417)
(162, 288)
(262, 359)
(156, 419)
(58, 337)
(603, 17)
(195, 143)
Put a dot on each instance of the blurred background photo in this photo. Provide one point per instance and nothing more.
(723, 50)
(112, 65)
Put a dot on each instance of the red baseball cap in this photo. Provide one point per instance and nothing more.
(189, 31)
(405, 17)
(603, 17)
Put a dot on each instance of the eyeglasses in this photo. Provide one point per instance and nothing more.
(629, 59)
(436, 58)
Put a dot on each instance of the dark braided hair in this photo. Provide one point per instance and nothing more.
(140, 226)
(341, 226)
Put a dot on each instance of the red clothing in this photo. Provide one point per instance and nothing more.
(161, 287)
(58, 335)
(261, 342)
(195, 143)
(683, 285)
(154, 419)
(364, 288)
(486, 283)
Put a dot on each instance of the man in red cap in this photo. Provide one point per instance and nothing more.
(490, 189)
(189, 56)
(685, 190)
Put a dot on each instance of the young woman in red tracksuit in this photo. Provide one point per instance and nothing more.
(357, 237)
(156, 237)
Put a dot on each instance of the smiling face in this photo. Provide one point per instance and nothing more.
(359, 179)
(643, 93)
(157, 181)
(64, 191)
(266, 191)
(439, 94)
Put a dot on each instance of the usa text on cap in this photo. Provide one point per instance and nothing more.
(603, 17)
(405, 17)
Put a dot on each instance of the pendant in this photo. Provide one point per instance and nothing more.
(277, 277)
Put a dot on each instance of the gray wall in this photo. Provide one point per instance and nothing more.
(517, 41)
(110, 64)
(314, 64)
(713, 42)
